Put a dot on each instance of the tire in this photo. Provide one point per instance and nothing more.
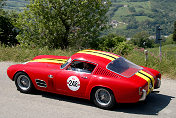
(104, 98)
(23, 83)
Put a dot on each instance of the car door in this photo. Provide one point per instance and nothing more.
(74, 79)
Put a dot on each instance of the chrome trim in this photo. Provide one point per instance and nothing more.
(140, 90)
(150, 85)
(25, 62)
(158, 83)
(144, 94)
(50, 76)
(67, 64)
(84, 77)
(41, 84)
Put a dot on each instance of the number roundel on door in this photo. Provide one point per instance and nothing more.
(73, 83)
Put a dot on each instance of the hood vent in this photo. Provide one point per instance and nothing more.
(41, 83)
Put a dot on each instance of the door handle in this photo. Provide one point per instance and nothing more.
(84, 77)
(50, 76)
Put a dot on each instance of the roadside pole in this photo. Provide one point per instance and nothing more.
(160, 53)
(146, 56)
(158, 38)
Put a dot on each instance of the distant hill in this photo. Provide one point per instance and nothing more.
(17, 5)
(133, 16)
(130, 16)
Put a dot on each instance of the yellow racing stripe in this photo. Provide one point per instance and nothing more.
(148, 76)
(100, 54)
(112, 55)
(49, 60)
(145, 78)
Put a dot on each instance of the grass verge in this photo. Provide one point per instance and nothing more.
(19, 54)
(167, 66)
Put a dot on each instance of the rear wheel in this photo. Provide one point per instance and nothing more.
(104, 98)
(23, 82)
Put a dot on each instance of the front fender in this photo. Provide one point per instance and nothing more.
(13, 69)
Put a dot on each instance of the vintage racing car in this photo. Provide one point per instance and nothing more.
(103, 77)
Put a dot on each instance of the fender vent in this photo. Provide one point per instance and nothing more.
(41, 83)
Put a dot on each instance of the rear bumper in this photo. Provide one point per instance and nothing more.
(158, 83)
(144, 94)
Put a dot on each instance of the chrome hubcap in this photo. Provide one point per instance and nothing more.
(23, 82)
(103, 97)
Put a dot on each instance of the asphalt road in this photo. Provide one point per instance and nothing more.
(14, 104)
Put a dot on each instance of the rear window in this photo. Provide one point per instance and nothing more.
(123, 67)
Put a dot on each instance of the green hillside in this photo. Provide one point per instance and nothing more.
(131, 16)
(136, 15)
(17, 5)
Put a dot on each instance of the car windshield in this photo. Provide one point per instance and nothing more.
(123, 67)
(63, 65)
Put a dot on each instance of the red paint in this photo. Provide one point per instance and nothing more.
(125, 90)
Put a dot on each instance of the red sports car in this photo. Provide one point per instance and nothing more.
(103, 77)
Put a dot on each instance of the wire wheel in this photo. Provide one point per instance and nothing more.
(23, 82)
(104, 98)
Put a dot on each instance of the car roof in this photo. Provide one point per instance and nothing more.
(95, 56)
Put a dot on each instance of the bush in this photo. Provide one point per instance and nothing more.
(141, 39)
(113, 43)
(123, 48)
(109, 42)
(169, 40)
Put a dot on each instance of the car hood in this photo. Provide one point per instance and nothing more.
(47, 61)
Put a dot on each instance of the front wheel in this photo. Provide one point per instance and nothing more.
(23, 82)
(104, 98)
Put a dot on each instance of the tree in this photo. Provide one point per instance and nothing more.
(58, 23)
(141, 39)
(1, 4)
(174, 33)
(132, 9)
(7, 30)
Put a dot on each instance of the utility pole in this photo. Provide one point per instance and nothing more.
(158, 39)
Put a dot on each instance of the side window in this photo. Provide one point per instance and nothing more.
(80, 66)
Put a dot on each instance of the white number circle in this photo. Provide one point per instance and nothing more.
(73, 83)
